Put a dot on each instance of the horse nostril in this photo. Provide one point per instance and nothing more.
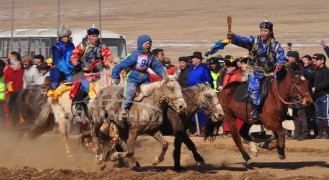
(181, 107)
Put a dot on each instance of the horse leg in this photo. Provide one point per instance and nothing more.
(159, 137)
(177, 152)
(231, 121)
(280, 135)
(191, 146)
(62, 124)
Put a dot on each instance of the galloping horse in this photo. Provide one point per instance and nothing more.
(145, 117)
(201, 96)
(62, 110)
(292, 85)
(25, 106)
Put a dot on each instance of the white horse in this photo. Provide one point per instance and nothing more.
(61, 107)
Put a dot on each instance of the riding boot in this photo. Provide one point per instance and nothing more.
(254, 113)
(320, 132)
(80, 103)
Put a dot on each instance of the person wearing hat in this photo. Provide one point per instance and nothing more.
(199, 72)
(171, 69)
(139, 60)
(320, 92)
(30, 72)
(265, 55)
(242, 66)
(60, 51)
(183, 71)
(44, 72)
(214, 71)
(89, 50)
(38, 59)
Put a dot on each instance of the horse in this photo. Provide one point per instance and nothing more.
(289, 84)
(62, 110)
(25, 106)
(200, 96)
(145, 116)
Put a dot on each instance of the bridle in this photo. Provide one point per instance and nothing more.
(207, 108)
(300, 95)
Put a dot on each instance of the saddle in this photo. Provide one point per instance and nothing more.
(241, 93)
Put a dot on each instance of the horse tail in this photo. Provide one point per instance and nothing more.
(44, 123)
(211, 130)
(14, 112)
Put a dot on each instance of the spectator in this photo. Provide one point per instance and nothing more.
(199, 73)
(325, 47)
(159, 54)
(44, 72)
(314, 60)
(242, 65)
(38, 59)
(30, 72)
(183, 71)
(310, 110)
(299, 112)
(321, 91)
(171, 69)
(215, 72)
(2, 92)
(232, 75)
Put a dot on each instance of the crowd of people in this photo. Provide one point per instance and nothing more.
(265, 56)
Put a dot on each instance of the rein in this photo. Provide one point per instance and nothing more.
(295, 88)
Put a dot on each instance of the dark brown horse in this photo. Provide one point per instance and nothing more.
(25, 106)
(289, 85)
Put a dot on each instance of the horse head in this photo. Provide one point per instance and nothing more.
(298, 85)
(207, 100)
(172, 93)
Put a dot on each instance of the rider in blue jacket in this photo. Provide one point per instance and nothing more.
(59, 51)
(139, 61)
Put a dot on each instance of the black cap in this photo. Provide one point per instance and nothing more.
(230, 61)
(266, 25)
(43, 66)
(39, 56)
(214, 60)
(294, 54)
(92, 31)
(197, 54)
(184, 58)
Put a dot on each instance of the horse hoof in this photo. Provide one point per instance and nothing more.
(179, 169)
(282, 157)
(250, 162)
(200, 163)
(157, 161)
(137, 165)
(115, 156)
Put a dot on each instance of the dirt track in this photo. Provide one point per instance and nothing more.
(45, 158)
(180, 27)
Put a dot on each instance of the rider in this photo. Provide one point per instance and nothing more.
(139, 60)
(265, 52)
(89, 50)
(59, 72)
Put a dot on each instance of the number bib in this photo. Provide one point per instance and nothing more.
(143, 62)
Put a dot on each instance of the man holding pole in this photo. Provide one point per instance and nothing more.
(265, 55)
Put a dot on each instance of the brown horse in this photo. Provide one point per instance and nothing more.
(289, 85)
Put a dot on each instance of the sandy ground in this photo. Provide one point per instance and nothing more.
(180, 27)
(45, 158)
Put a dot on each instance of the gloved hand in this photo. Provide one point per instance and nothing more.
(218, 46)
(116, 81)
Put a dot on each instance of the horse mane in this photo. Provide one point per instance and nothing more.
(148, 89)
